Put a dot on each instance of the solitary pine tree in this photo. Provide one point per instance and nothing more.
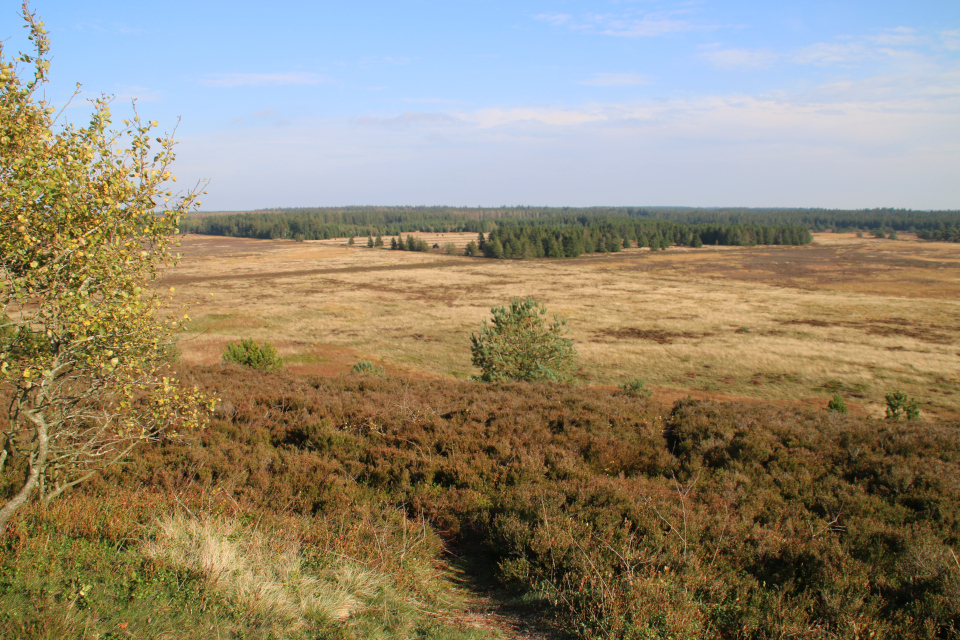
(521, 345)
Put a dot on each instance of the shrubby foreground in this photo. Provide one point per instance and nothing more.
(612, 515)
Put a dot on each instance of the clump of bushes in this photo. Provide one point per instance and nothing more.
(365, 367)
(636, 388)
(899, 405)
(837, 404)
(248, 353)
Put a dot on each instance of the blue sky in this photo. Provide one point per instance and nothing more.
(563, 102)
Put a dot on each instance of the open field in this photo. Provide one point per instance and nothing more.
(795, 324)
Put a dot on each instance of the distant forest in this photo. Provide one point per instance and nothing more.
(609, 235)
(738, 226)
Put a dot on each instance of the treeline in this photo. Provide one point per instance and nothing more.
(944, 234)
(615, 234)
(342, 222)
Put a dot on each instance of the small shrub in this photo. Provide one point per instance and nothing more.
(520, 345)
(450, 249)
(900, 406)
(249, 354)
(837, 404)
(365, 367)
(636, 388)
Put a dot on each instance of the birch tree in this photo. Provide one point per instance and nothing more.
(88, 219)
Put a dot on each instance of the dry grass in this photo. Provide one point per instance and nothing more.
(863, 316)
(266, 583)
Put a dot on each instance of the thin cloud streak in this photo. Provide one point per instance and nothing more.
(617, 80)
(740, 58)
(230, 80)
(632, 24)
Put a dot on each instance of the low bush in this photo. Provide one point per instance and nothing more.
(837, 404)
(636, 388)
(250, 354)
(899, 405)
(519, 344)
(365, 367)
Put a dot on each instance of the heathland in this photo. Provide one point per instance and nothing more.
(795, 324)
(416, 503)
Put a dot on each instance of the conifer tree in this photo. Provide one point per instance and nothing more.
(520, 345)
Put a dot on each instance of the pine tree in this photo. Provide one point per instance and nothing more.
(520, 345)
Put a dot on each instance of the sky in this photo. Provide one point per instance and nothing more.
(846, 103)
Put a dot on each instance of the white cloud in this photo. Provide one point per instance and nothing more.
(824, 53)
(556, 19)
(898, 36)
(125, 93)
(740, 58)
(113, 27)
(229, 80)
(431, 101)
(889, 137)
(901, 44)
(951, 39)
(496, 117)
(633, 24)
(788, 150)
(368, 62)
(616, 80)
(406, 119)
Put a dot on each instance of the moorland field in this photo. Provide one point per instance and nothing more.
(320, 503)
(859, 316)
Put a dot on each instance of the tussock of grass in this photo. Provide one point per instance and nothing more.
(250, 572)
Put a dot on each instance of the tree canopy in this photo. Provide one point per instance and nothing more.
(86, 222)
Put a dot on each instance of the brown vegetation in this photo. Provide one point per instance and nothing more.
(873, 314)
(625, 518)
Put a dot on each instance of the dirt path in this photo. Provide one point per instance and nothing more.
(493, 609)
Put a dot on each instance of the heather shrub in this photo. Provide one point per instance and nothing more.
(616, 516)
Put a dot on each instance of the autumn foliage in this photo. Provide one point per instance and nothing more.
(624, 518)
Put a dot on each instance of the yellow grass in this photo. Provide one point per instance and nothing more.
(863, 315)
(262, 581)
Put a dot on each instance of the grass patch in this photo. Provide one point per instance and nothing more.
(632, 313)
